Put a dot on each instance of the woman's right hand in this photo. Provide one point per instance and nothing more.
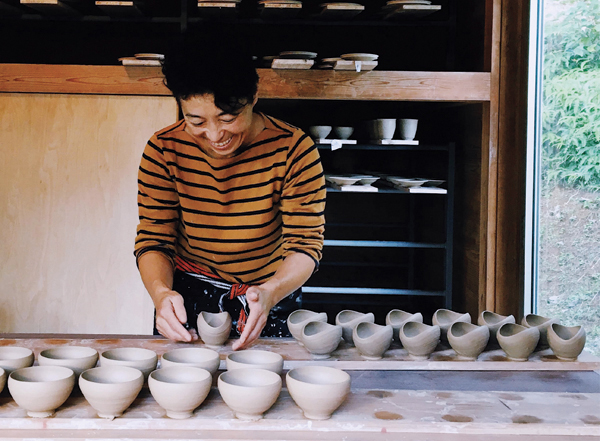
(170, 316)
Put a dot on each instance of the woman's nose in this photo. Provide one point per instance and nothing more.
(214, 133)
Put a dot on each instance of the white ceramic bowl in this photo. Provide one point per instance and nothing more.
(40, 390)
(299, 318)
(342, 132)
(111, 389)
(15, 357)
(255, 359)
(214, 328)
(194, 357)
(321, 338)
(180, 389)
(143, 359)
(319, 132)
(2, 379)
(318, 390)
(249, 392)
(76, 358)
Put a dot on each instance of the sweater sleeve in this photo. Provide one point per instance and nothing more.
(303, 200)
(158, 204)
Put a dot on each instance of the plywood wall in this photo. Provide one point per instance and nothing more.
(68, 211)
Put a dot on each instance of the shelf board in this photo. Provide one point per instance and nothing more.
(371, 291)
(366, 146)
(381, 244)
(273, 84)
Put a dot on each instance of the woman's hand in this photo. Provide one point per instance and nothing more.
(170, 316)
(260, 303)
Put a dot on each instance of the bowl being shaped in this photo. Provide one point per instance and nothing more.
(468, 340)
(321, 338)
(419, 339)
(319, 132)
(380, 129)
(567, 342)
(180, 389)
(299, 318)
(143, 359)
(40, 390)
(349, 319)
(249, 392)
(214, 328)
(193, 357)
(318, 390)
(111, 389)
(372, 340)
(255, 359)
(445, 318)
(494, 321)
(518, 341)
(542, 323)
(340, 132)
(15, 357)
(396, 319)
(76, 358)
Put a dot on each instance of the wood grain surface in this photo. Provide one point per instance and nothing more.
(68, 211)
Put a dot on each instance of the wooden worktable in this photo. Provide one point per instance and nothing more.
(394, 398)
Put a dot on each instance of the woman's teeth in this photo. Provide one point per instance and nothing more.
(221, 144)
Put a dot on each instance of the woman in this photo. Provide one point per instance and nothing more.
(230, 202)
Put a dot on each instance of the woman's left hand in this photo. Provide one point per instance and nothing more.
(260, 304)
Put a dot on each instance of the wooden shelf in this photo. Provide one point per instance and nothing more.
(309, 85)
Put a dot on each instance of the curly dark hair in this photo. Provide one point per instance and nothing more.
(224, 69)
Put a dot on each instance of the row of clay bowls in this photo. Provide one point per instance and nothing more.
(250, 386)
(320, 338)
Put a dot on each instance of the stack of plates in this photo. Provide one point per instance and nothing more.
(279, 9)
(294, 60)
(340, 11)
(145, 59)
(403, 8)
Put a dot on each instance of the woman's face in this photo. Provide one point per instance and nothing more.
(218, 133)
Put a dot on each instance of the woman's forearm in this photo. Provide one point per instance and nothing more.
(156, 271)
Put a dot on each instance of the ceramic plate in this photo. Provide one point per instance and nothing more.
(360, 57)
(339, 4)
(330, 60)
(406, 182)
(287, 2)
(150, 56)
(410, 2)
(366, 179)
(433, 183)
(342, 180)
(299, 55)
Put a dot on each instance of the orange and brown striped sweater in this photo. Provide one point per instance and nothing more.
(239, 217)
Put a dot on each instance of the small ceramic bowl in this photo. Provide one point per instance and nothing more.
(468, 340)
(249, 393)
(381, 128)
(143, 359)
(76, 358)
(349, 319)
(518, 341)
(255, 359)
(318, 390)
(180, 389)
(494, 321)
(396, 318)
(341, 132)
(319, 132)
(445, 318)
(15, 357)
(321, 338)
(2, 379)
(419, 339)
(214, 328)
(110, 390)
(40, 390)
(193, 357)
(567, 342)
(542, 324)
(297, 319)
(372, 340)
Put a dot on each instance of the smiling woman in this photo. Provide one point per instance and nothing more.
(231, 202)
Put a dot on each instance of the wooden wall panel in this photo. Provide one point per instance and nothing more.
(68, 211)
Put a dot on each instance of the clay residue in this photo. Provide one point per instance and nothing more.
(7, 342)
(591, 419)
(574, 396)
(55, 341)
(443, 394)
(380, 393)
(511, 397)
(385, 415)
(457, 418)
(526, 419)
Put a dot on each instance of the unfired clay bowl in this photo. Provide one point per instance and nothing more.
(214, 328)
(143, 359)
(468, 340)
(2, 379)
(341, 132)
(494, 321)
(518, 341)
(255, 359)
(381, 128)
(203, 358)
(407, 128)
(542, 323)
(76, 358)
(249, 392)
(180, 389)
(348, 320)
(297, 319)
(419, 339)
(445, 318)
(40, 390)
(567, 342)
(111, 389)
(319, 132)
(321, 338)
(396, 318)
(318, 390)
(372, 340)
(15, 357)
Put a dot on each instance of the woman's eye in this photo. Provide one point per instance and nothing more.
(227, 121)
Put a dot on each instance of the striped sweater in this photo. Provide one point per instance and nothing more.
(237, 217)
